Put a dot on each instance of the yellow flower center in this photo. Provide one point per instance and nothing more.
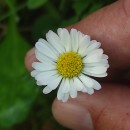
(69, 64)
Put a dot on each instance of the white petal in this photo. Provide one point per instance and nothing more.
(86, 80)
(65, 38)
(95, 75)
(73, 91)
(74, 39)
(46, 49)
(66, 87)
(83, 45)
(78, 84)
(87, 90)
(90, 68)
(54, 81)
(65, 97)
(81, 35)
(95, 52)
(107, 66)
(105, 56)
(55, 41)
(84, 90)
(94, 57)
(94, 45)
(47, 90)
(44, 76)
(96, 85)
(105, 61)
(43, 66)
(50, 46)
(96, 70)
(39, 83)
(90, 90)
(60, 94)
(41, 40)
(100, 62)
(89, 65)
(43, 58)
(34, 73)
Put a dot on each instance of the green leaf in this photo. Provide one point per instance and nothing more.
(17, 90)
(80, 6)
(92, 9)
(95, 7)
(43, 24)
(33, 4)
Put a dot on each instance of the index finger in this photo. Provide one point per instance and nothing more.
(111, 27)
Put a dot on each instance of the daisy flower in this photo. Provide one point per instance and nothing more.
(66, 60)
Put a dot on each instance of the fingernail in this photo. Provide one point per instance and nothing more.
(72, 115)
(86, 119)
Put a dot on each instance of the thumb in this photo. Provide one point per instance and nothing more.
(108, 109)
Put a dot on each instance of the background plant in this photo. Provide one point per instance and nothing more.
(22, 104)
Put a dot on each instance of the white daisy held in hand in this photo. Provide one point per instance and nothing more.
(66, 60)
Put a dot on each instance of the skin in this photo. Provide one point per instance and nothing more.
(110, 107)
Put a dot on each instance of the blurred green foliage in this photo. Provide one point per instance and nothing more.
(33, 4)
(22, 104)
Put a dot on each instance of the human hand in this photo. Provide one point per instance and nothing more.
(109, 108)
